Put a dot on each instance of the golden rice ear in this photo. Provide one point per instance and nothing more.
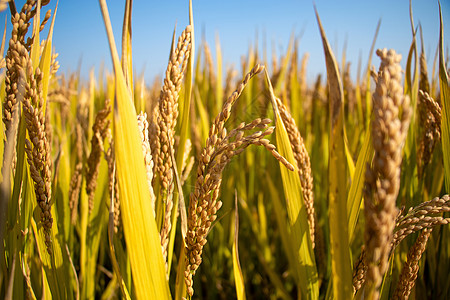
(304, 270)
(143, 245)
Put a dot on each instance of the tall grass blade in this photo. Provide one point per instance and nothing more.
(337, 168)
(237, 271)
(112, 250)
(284, 66)
(35, 51)
(445, 99)
(127, 61)
(141, 235)
(304, 270)
(355, 199)
(46, 59)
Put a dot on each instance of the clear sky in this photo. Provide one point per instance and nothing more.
(79, 34)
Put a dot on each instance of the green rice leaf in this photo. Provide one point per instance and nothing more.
(445, 99)
(237, 271)
(304, 270)
(337, 174)
(35, 46)
(46, 59)
(354, 199)
(284, 66)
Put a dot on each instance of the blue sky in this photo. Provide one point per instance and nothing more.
(80, 36)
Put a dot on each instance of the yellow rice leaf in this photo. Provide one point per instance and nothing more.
(337, 168)
(354, 199)
(127, 62)
(348, 156)
(141, 235)
(112, 250)
(445, 98)
(46, 59)
(35, 46)
(237, 271)
(411, 89)
(304, 271)
(284, 66)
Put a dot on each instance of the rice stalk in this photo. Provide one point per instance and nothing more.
(445, 100)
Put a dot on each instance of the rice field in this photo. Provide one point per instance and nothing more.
(247, 183)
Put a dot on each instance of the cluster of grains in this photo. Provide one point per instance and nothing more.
(113, 185)
(22, 78)
(163, 128)
(220, 148)
(408, 275)
(424, 84)
(74, 192)
(389, 128)
(54, 66)
(100, 130)
(430, 123)
(426, 215)
(147, 152)
(77, 177)
(167, 110)
(16, 59)
(38, 147)
(359, 271)
(303, 164)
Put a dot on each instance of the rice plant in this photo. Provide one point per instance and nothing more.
(256, 185)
